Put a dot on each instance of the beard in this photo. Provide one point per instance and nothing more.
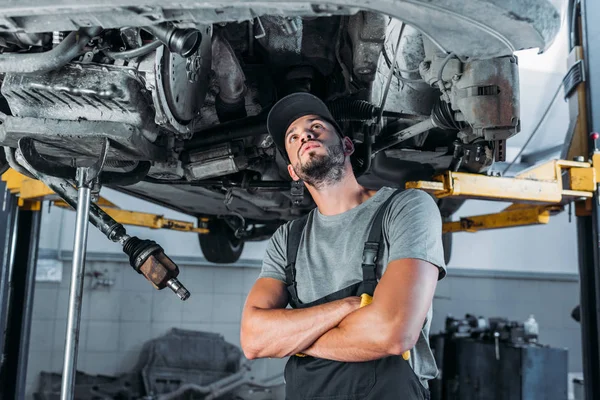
(323, 170)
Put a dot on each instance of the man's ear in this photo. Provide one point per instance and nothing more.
(347, 145)
(292, 173)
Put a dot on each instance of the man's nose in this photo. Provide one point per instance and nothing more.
(307, 135)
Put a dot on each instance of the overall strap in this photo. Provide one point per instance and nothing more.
(293, 243)
(373, 247)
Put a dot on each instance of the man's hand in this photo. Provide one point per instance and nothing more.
(391, 324)
(270, 330)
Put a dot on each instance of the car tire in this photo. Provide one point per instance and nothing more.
(447, 244)
(220, 246)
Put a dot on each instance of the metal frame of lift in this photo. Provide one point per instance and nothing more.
(536, 194)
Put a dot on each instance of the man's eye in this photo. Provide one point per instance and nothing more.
(293, 138)
(317, 126)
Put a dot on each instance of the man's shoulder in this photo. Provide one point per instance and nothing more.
(406, 195)
(411, 200)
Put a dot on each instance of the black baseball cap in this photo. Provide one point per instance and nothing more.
(289, 109)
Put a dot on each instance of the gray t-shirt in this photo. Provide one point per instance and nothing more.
(330, 253)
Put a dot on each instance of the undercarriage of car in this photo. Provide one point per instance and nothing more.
(182, 93)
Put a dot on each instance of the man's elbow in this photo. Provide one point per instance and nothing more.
(247, 344)
(251, 347)
(399, 342)
(250, 351)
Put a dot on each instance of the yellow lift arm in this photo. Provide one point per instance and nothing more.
(537, 193)
(32, 192)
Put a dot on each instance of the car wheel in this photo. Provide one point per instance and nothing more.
(220, 245)
(447, 244)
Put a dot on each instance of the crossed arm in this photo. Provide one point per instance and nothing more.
(340, 330)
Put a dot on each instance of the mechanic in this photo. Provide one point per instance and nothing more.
(338, 349)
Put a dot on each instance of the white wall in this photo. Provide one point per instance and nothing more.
(539, 77)
(539, 248)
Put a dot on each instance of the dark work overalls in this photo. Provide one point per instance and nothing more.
(310, 378)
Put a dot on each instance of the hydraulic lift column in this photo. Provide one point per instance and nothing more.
(589, 226)
(19, 234)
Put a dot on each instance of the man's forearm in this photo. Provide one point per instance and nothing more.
(284, 332)
(361, 336)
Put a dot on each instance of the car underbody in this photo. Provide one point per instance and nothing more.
(182, 92)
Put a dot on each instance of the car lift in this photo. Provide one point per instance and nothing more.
(536, 193)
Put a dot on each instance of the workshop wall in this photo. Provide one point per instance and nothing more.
(550, 248)
(117, 320)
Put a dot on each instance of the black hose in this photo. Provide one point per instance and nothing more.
(133, 53)
(443, 116)
(184, 41)
(440, 80)
(71, 47)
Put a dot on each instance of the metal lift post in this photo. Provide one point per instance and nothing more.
(20, 234)
(589, 226)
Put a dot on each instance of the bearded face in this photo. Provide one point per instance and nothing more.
(320, 170)
(316, 152)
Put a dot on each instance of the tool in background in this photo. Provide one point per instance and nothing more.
(365, 300)
(511, 362)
